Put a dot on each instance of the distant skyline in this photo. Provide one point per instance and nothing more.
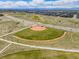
(39, 4)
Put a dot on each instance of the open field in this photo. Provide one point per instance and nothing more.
(69, 41)
(13, 48)
(25, 41)
(8, 26)
(66, 22)
(65, 42)
(47, 34)
(42, 54)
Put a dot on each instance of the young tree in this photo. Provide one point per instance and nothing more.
(35, 17)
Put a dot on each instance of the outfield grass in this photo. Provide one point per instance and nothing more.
(48, 34)
(42, 54)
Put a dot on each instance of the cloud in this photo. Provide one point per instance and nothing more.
(38, 1)
(21, 3)
(6, 4)
(65, 2)
(40, 4)
(10, 4)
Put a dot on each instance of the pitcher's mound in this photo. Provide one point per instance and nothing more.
(38, 28)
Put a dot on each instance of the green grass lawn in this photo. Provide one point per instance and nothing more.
(42, 54)
(48, 34)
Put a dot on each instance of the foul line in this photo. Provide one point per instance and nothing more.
(14, 32)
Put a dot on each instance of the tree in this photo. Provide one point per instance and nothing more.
(35, 17)
(1, 15)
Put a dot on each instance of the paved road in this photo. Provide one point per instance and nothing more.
(25, 22)
(48, 25)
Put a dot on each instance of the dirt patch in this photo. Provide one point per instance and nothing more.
(38, 28)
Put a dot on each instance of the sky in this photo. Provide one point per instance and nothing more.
(39, 4)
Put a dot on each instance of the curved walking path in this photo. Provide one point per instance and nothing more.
(40, 47)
